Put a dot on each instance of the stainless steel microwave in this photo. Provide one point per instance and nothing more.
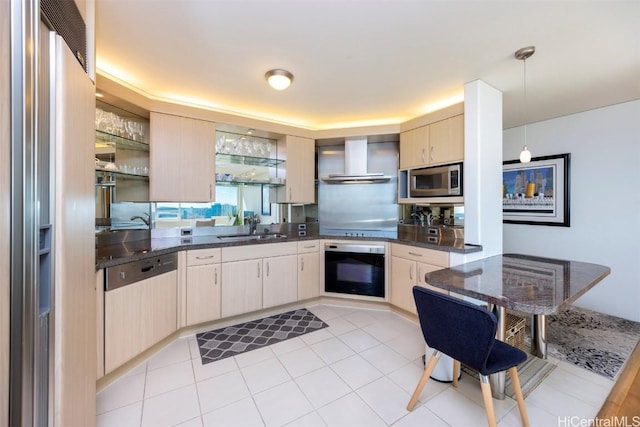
(437, 181)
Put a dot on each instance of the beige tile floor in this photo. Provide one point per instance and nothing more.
(360, 371)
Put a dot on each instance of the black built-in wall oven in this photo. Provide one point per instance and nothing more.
(354, 268)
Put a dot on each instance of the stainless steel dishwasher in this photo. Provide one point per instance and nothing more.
(140, 307)
(131, 272)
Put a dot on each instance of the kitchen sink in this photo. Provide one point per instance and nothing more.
(268, 236)
(246, 236)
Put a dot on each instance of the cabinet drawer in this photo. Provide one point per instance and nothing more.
(428, 256)
(307, 246)
(203, 256)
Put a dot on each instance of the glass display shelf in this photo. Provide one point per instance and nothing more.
(236, 183)
(237, 159)
(108, 176)
(105, 140)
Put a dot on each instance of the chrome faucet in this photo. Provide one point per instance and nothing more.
(253, 221)
(145, 220)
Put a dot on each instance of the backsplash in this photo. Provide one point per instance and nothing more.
(441, 214)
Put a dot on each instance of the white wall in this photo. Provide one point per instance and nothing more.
(605, 200)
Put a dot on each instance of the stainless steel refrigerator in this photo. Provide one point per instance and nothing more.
(35, 48)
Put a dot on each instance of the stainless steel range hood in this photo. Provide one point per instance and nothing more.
(355, 165)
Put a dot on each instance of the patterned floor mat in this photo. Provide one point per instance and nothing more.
(232, 340)
(592, 340)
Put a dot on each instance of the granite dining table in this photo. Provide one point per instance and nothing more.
(527, 284)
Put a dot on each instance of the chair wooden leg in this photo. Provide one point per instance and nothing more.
(488, 400)
(456, 369)
(423, 380)
(515, 380)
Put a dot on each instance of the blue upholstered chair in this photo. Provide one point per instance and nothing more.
(466, 333)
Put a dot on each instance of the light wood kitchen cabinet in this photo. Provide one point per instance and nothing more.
(181, 159)
(308, 269)
(241, 287)
(138, 316)
(280, 281)
(403, 277)
(414, 147)
(409, 265)
(244, 274)
(203, 286)
(299, 171)
(100, 322)
(434, 144)
(446, 140)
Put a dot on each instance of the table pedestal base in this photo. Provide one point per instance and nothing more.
(539, 336)
(497, 380)
(538, 345)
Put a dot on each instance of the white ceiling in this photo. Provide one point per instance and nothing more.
(361, 62)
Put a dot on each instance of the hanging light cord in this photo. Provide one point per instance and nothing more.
(525, 101)
(523, 54)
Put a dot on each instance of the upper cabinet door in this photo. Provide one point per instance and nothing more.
(414, 147)
(181, 159)
(446, 140)
(434, 144)
(300, 171)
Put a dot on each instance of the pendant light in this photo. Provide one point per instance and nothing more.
(523, 54)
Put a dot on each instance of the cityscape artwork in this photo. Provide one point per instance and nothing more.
(537, 192)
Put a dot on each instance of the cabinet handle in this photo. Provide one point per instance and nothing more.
(146, 269)
(419, 276)
(309, 247)
(411, 273)
(215, 276)
(431, 153)
(205, 257)
(210, 191)
(301, 264)
(415, 254)
(267, 268)
(258, 270)
(289, 193)
(423, 155)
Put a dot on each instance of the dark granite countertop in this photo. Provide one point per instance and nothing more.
(109, 255)
(525, 283)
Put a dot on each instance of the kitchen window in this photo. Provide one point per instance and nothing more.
(232, 204)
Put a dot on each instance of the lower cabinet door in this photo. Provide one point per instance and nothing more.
(203, 293)
(241, 290)
(427, 268)
(280, 281)
(404, 276)
(138, 316)
(308, 275)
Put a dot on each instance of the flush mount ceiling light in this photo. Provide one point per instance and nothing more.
(523, 54)
(279, 79)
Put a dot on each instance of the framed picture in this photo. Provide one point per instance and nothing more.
(536, 193)
(266, 203)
